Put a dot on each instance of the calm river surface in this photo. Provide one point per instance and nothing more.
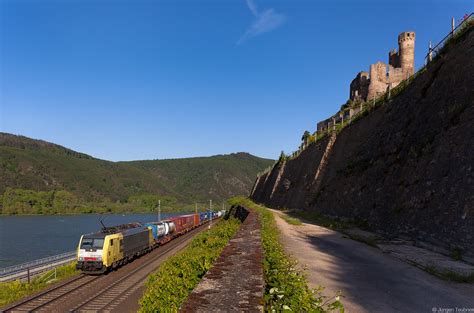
(26, 238)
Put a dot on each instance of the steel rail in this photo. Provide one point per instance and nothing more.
(130, 287)
(133, 272)
(49, 291)
(179, 241)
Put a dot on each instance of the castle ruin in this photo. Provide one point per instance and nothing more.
(401, 65)
(382, 77)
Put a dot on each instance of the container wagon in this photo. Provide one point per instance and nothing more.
(114, 246)
(185, 223)
(161, 231)
(204, 216)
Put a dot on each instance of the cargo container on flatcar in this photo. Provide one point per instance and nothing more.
(161, 229)
(202, 217)
(184, 223)
(114, 246)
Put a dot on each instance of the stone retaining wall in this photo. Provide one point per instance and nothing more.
(235, 282)
(406, 170)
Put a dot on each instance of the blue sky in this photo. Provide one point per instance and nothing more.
(127, 80)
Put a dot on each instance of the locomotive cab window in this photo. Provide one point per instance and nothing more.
(111, 242)
(92, 243)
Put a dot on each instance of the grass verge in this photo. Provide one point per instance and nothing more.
(290, 220)
(286, 287)
(449, 275)
(174, 280)
(15, 290)
(321, 220)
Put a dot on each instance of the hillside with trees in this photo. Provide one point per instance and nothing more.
(40, 177)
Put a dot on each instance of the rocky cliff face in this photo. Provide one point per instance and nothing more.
(406, 169)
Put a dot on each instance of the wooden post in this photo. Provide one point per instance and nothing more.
(28, 271)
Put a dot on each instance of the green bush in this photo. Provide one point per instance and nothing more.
(12, 291)
(286, 288)
(171, 284)
(322, 220)
(291, 220)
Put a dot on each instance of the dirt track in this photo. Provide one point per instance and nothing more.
(369, 280)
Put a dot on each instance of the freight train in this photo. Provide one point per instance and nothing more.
(115, 246)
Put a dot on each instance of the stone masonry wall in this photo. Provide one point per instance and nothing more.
(359, 87)
(378, 80)
(406, 169)
(401, 65)
(295, 178)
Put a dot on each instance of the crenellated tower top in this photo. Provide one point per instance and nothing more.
(406, 48)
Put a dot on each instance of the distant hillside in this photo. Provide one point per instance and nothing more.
(37, 165)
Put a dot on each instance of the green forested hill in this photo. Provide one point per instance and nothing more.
(28, 166)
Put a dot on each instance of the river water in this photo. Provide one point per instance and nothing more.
(27, 238)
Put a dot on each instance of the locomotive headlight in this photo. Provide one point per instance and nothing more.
(81, 258)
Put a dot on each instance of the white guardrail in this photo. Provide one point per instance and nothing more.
(22, 271)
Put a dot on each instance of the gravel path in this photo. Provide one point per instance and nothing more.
(369, 280)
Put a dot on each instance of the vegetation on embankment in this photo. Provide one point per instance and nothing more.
(15, 290)
(286, 288)
(38, 177)
(295, 217)
(290, 219)
(23, 201)
(175, 279)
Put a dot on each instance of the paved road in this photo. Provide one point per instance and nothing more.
(369, 280)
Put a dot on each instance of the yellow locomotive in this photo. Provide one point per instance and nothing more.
(112, 247)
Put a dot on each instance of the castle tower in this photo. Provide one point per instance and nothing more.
(406, 48)
(378, 80)
(393, 58)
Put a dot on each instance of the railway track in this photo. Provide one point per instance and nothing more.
(109, 299)
(38, 301)
(108, 291)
